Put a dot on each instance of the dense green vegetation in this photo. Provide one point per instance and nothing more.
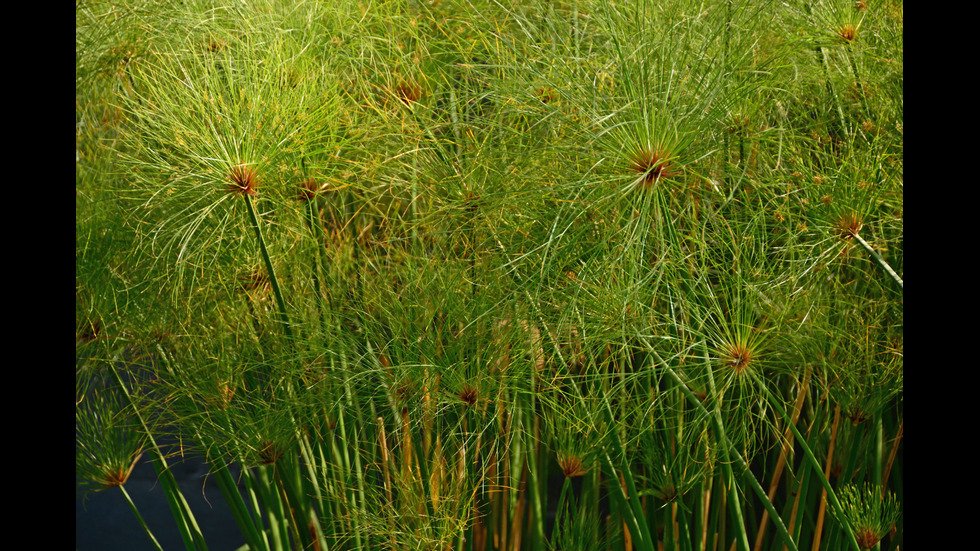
(407, 262)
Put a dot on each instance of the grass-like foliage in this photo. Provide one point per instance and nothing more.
(491, 275)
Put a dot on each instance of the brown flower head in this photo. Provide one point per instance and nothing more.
(270, 453)
(215, 45)
(308, 189)
(848, 225)
(469, 395)
(737, 356)
(408, 92)
(226, 391)
(244, 180)
(571, 465)
(652, 164)
(666, 492)
(117, 474)
(255, 280)
(89, 332)
(866, 537)
(847, 32)
(546, 94)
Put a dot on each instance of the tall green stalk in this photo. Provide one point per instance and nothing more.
(139, 518)
(270, 268)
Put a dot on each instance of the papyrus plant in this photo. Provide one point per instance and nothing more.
(441, 275)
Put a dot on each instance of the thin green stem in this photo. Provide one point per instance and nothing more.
(628, 497)
(273, 280)
(139, 518)
(186, 523)
(239, 509)
(857, 81)
(727, 449)
(316, 230)
(874, 254)
(560, 514)
(833, 91)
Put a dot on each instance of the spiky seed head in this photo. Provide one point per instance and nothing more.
(270, 453)
(90, 331)
(214, 45)
(308, 189)
(738, 123)
(115, 478)
(847, 32)
(651, 163)
(866, 538)
(244, 180)
(666, 492)
(848, 225)
(737, 356)
(255, 280)
(226, 392)
(856, 414)
(871, 511)
(572, 465)
(469, 395)
(408, 92)
(118, 473)
(546, 94)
